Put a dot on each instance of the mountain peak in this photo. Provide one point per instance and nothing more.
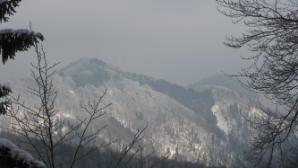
(90, 71)
(88, 63)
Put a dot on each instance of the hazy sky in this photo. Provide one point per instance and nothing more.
(177, 40)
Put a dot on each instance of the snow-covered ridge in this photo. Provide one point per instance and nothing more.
(181, 121)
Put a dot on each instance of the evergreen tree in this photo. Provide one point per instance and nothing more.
(12, 41)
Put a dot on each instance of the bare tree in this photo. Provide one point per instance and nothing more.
(273, 36)
(40, 124)
(131, 150)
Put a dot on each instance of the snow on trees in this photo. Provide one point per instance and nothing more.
(12, 156)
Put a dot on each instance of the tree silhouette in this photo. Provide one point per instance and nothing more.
(273, 36)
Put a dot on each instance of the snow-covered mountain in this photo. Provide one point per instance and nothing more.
(203, 122)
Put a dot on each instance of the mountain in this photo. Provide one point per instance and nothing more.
(96, 72)
(202, 122)
(223, 81)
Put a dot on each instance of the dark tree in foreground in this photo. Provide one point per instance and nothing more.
(12, 156)
(12, 41)
(4, 92)
(273, 36)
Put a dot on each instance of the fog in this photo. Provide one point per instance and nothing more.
(177, 40)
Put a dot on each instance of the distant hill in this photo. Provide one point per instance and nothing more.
(225, 81)
(96, 72)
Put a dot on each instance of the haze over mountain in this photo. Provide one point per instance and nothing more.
(202, 122)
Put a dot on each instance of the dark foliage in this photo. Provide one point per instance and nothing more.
(4, 92)
(106, 158)
(7, 161)
(7, 8)
(12, 41)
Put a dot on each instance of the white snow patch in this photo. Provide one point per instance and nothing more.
(72, 92)
(221, 121)
(65, 115)
(64, 129)
(254, 112)
(110, 92)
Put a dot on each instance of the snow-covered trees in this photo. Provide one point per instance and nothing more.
(4, 92)
(12, 156)
(43, 128)
(12, 41)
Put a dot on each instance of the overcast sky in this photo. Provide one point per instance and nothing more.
(177, 40)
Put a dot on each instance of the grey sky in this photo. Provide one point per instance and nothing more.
(178, 40)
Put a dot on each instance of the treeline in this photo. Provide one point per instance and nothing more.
(105, 157)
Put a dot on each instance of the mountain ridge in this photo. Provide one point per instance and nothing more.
(103, 72)
(201, 123)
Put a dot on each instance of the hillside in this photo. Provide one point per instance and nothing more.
(196, 123)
